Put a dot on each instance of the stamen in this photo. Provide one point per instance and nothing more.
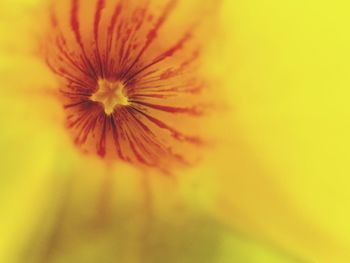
(110, 94)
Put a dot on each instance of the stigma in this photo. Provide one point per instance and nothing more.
(110, 94)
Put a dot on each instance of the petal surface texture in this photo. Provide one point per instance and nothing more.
(239, 152)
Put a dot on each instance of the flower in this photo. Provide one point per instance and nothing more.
(123, 79)
(250, 196)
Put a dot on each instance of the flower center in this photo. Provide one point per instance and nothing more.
(110, 95)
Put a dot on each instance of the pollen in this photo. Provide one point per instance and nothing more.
(110, 94)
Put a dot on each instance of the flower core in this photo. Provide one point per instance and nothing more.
(129, 80)
(110, 94)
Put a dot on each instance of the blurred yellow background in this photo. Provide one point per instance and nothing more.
(275, 189)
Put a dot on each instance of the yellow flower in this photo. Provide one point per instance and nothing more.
(261, 177)
(130, 83)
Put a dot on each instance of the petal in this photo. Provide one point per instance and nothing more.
(286, 173)
(279, 176)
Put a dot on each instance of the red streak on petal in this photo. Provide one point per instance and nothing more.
(101, 148)
(74, 21)
(110, 34)
(100, 5)
(76, 29)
